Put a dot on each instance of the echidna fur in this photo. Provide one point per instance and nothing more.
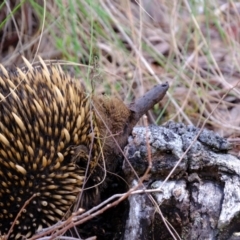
(56, 141)
(47, 135)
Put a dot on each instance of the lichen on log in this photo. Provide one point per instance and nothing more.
(201, 199)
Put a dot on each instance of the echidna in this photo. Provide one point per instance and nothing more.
(51, 132)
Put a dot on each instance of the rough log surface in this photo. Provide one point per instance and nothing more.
(201, 200)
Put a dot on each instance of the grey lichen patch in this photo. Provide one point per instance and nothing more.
(224, 162)
(231, 201)
(207, 138)
(160, 138)
(165, 145)
(202, 197)
(140, 216)
(168, 144)
(176, 189)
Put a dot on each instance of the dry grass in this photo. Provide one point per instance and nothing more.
(194, 45)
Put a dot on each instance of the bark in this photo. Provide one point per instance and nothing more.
(201, 200)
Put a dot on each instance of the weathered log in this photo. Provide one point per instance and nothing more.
(201, 199)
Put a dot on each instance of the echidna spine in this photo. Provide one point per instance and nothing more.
(44, 117)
